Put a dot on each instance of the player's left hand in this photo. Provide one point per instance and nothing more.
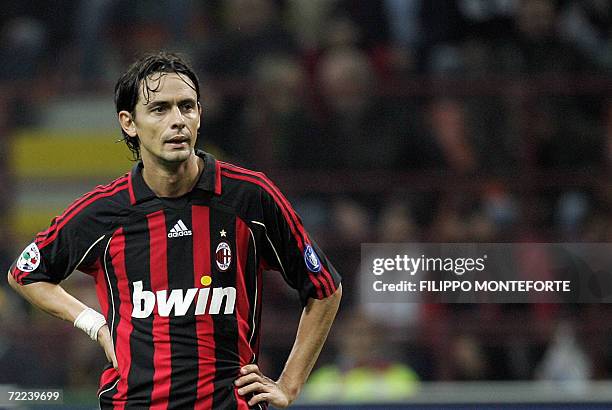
(263, 388)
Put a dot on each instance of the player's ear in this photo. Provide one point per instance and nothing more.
(126, 120)
(199, 114)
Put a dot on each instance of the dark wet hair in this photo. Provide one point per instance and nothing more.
(127, 89)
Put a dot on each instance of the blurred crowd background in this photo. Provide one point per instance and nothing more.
(382, 121)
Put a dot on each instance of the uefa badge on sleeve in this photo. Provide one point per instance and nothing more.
(312, 260)
(29, 258)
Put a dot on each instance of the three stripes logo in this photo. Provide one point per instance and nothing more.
(179, 229)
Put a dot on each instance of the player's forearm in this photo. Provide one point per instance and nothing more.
(313, 329)
(50, 298)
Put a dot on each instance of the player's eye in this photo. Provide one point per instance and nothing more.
(187, 106)
(158, 109)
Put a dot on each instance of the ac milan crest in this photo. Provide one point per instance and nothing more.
(223, 256)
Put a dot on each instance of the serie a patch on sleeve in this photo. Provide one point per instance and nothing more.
(29, 259)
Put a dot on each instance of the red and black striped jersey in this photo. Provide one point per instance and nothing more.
(179, 280)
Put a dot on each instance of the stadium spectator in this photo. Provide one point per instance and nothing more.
(468, 360)
(364, 370)
(565, 361)
(449, 142)
(588, 25)
(534, 46)
(360, 130)
(251, 28)
(394, 224)
(275, 128)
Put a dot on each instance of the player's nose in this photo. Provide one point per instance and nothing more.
(178, 120)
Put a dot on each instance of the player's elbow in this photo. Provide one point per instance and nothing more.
(338, 292)
(337, 295)
(333, 301)
(12, 282)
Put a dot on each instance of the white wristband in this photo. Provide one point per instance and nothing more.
(90, 322)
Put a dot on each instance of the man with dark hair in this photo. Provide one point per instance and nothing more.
(177, 248)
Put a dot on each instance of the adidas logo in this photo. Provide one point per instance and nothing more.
(179, 229)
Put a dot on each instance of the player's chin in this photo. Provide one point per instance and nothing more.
(178, 155)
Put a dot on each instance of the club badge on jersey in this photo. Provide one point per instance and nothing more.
(223, 256)
(29, 258)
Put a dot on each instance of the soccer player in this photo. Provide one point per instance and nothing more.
(177, 248)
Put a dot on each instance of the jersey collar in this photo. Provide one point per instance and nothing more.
(210, 179)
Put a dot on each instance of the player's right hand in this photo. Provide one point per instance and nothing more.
(106, 342)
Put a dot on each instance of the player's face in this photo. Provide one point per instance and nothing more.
(167, 122)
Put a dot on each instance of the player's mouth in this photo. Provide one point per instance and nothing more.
(178, 141)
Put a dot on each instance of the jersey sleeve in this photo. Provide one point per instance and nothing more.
(70, 242)
(291, 251)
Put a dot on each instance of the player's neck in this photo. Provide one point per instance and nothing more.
(172, 180)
